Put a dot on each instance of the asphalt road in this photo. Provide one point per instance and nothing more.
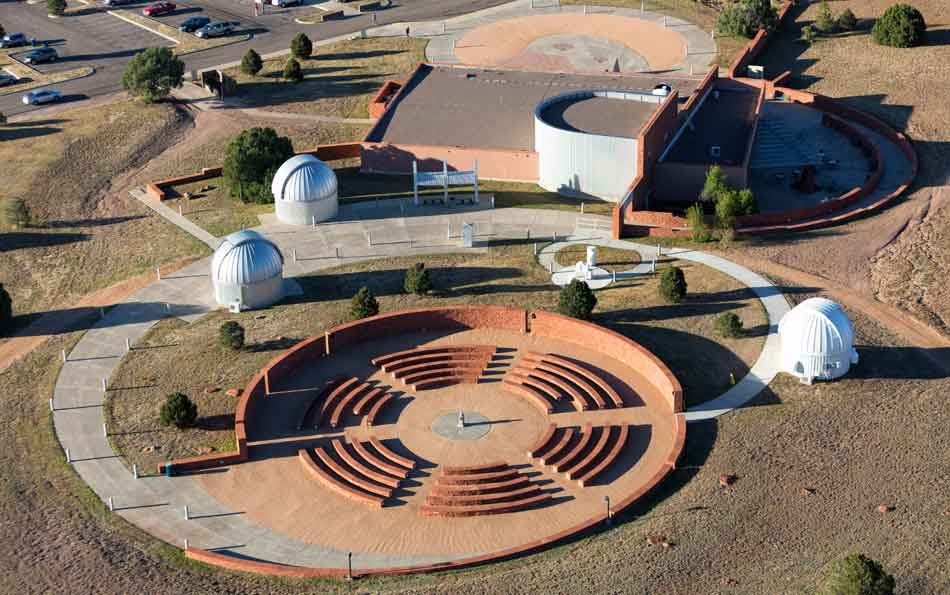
(107, 43)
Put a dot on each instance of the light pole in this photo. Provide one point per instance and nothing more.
(607, 502)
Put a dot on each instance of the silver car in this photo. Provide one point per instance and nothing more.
(218, 29)
(42, 96)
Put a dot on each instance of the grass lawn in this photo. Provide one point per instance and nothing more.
(611, 259)
(339, 79)
(187, 358)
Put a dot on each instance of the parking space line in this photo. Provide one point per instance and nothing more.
(141, 26)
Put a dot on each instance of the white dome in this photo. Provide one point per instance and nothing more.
(304, 178)
(246, 257)
(817, 340)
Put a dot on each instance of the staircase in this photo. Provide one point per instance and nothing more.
(776, 145)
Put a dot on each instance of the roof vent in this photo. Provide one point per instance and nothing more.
(715, 151)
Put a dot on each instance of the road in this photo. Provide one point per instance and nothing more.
(95, 38)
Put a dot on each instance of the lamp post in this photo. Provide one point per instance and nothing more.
(607, 502)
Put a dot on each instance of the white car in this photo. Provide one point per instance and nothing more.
(42, 96)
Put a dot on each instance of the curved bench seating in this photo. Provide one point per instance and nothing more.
(590, 396)
(540, 400)
(543, 443)
(335, 395)
(324, 476)
(446, 378)
(317, 401)
(491, 477)
(483, 509)
(434, 357)
(606, 432)
(362, 406)
(480, 488)
(489, 498)
(475, 470)
(392, 457)
(370, 418)
(612, 395)
(348, 476)
(462, 369)
(584, 479)
(361, 467)
(377, 462)
(343, 403)
(574, 454)
(439, 365)
(382, 360)
(582, 399)
(560, 447)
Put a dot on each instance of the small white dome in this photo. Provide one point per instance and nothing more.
(304, 178)
(246, 257)
(817, 340)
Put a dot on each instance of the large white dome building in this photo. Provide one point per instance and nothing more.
(817, 341)
(247, 271)
(305, 191)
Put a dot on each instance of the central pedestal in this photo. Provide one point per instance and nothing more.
(447, 426)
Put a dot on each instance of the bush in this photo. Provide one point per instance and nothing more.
(6, 309)
(250, 161)
(697, 223)
(744, 18)
(231, 335)
(825, 22)
(857, 575)
(847, 21)
(364, 304)
(901, 26)
(576, 300)
(301, 47)
(151, 74)
(731, 204)
(15, 212)
(56, 7)
(251, 63)
(808, 34)
(178, 410)
(672, 285)
(714, 185)
(292, 71)
(747, 203)
(417, 279)
(729, 325)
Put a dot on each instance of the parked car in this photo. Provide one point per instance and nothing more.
(116, 2)
(192, 24)
(219, 29)
(42, 96)
(153, 10)
(40, 55)
(7, 79)
(13, 40)
(285, 3)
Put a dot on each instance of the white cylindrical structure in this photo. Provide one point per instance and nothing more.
(305, 191)
(247, 271)
(817, 341)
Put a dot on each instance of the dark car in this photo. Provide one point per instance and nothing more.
(40, 55)
(7, 79)
(13, 40)
(192, 24)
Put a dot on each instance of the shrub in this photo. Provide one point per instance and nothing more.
(292, 71)
(697, 223)
(250, 161)
(6, 309)
(151, 74)
(729, 325)
(251, 63)
(857, 575)
(808, 34)
(15, 212)
(56, 7)
(417, 279)
(364, 304)
(576, 300)
(231, 335)
(847, 21)
(714, 185)
(825, 22)
(178, 410)
(901, 26)
(672, 285)
(744, 18)
(732, 204)
(301, 47)
(747, 203)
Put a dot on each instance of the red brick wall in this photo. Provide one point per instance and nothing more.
(521, 166)
(755, 46)
(380, 101)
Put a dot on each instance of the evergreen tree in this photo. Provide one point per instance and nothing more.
(251, 63)
(576, 300)
(672, 285)
(364, 304)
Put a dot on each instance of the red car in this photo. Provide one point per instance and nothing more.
(153, 10)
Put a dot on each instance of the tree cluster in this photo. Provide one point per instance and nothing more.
(744, 18)
(730, 203)
(250, 162)
(153, 73)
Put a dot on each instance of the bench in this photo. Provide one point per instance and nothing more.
(370, 418)
(324, 476)
(462, 369)
(612, 455)
(567, 364)
(335, 395)
(318, 400)
(549, 392)
(467, 500)
(455, 377)
(363, 404)
(543, 443)
(590, 396)
(574, 454)
(491, 477)
(378, 463)
(558, 450)
(391, 456)
(480, 488)
(598, 449)
(361, 467)
(435, 357)
(340, 408)
(348, 476)
(382, 360)
(474, 470)
(439, 365)
(483, 509)
(583, 400)
(534, 396)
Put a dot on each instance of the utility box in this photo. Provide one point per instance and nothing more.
(468, 235)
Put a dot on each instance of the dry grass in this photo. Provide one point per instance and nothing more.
(33, 78)
(339, 79)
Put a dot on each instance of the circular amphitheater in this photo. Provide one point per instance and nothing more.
(444, 437)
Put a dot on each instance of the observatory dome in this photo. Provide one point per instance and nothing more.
(305, 191)
(817, 340)
(247, 270)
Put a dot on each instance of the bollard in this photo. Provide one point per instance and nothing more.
(448, 231)
(186, 544)
(313, 220)
(369, 237)
(554, 235)
(69, 459)
(493, 201)
(135, 471)
(105, 432)
(128, 344)
(168, 307)
(295, 255)
(410, 243)
(653, 265)
(111, 505)
(535, 248)
(51, 407)
(659, 252)
(180, 213)
(582, 207)
(337, 251)
(102, 311)
(158, 273)
(613, 276)
(64, 356)
(187, 516)
(104, 385)
(349, 566)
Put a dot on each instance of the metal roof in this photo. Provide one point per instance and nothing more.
(304, 178)
(817, 326)
(246, 257)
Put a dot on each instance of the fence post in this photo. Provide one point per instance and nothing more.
(128, 344)
(295, 255)
(64, 356)
(105, 432)
(111, 505)
(313, 221)
(104, 387)
(158, 273)
(535, 248)
(51, 407)
(135, 471)
(69, 459)
(187, 516)
(337, 251)
(369, 237)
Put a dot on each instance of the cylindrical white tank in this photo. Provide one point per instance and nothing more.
(817, 341)
(247, 271)
(305, 191)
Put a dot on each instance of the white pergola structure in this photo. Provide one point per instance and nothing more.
(443, 179)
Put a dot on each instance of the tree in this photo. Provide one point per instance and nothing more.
(847, 21)
(15, 212)
(825, 21)
(364, 304)
(178, 410)
(417, 279)
(672, 285)
(857, 575)
(6, 309)
(56, 7)
(250, 161)
(292, 71)
(901, 26)
(744, 18)
(576, 300)
(729, 325)
(697, 223)
(301, 47)
(153, 73)
(714, 185)
(808, 34)
(231, 335)
(251, 63)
